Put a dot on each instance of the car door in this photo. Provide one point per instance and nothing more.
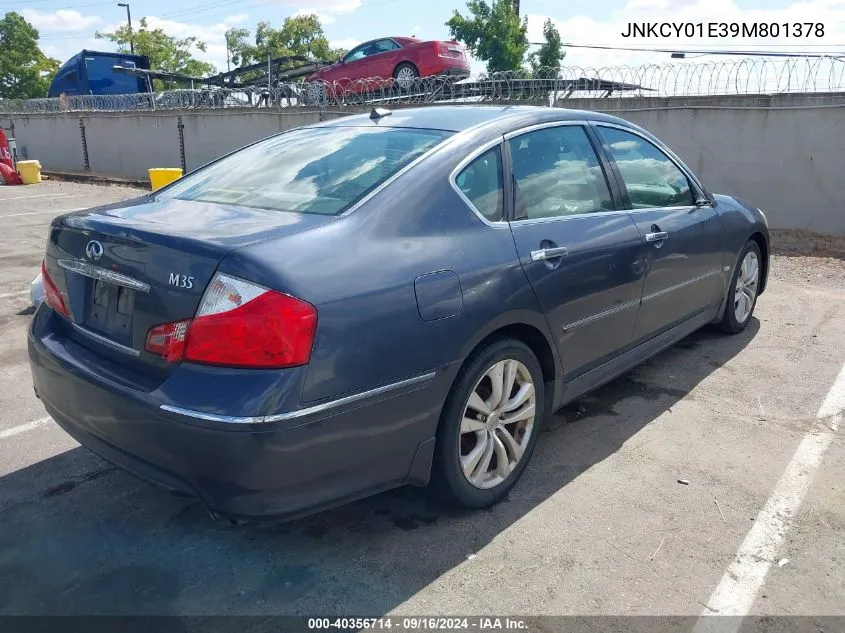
(680, 229)
(384, 58)
(580, 253)
(355, 64)
(370, 60)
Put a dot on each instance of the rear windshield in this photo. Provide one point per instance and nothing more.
(317, 170)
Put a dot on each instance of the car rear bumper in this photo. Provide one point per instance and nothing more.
(274, 469)
(457, 71)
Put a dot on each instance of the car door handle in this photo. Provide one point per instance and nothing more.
(658, 236)
(548, 253)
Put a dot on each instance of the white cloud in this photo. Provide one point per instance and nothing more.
(326, 10)
(238, 18)
(212, 34)
(348, 43)
(60, 20)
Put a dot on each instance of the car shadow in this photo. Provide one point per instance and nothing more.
(78, 536)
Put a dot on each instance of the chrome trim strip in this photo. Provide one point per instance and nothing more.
(686, 207)
(542, 126)
(601, 315)
(634, 302)
(574, 216)
(660, 293)
(106, 341)
(299, 413)
(95, 272)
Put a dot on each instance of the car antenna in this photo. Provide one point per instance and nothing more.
(378, 113)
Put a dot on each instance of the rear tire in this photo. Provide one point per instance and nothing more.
(406, 75)
(743, 290)
(487, 433)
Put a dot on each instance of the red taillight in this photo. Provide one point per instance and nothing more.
(239, 324)
(168, 340)
(52, 296)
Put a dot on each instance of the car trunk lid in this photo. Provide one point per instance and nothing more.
(125, 268)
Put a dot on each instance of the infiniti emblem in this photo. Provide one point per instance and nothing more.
(94, 250)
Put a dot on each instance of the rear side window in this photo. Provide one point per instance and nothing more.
(312, 170)
(481, 183)
(557, 173)
(651, 178)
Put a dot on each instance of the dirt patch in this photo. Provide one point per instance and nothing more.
(800, 243)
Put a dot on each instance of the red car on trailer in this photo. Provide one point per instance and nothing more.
(401, 59)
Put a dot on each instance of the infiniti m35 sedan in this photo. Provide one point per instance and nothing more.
(396, 298)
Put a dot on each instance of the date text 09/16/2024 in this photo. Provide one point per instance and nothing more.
(423, 623)
(803, 30)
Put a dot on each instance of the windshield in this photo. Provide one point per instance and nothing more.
(313, 170)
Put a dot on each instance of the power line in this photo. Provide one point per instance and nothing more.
(706, 52)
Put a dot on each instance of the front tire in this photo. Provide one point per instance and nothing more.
(743, 290)
(489, 425)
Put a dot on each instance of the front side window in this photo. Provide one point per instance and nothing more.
(651, 178)
(322, 170)
(481, 183)
(372, 48)
(557, 173)
(356, 53)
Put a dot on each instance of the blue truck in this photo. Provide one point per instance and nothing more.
(92, 73)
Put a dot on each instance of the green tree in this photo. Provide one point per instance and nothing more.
(25, 72)
(166, 52)
(299, 35)
(547, 57)
(237, 45)
(494, 33)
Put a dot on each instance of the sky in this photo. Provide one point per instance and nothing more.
(67, 26)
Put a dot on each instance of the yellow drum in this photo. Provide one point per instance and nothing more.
(30, 171)
(161, 176)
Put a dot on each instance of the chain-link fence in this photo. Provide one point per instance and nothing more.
(727, 77)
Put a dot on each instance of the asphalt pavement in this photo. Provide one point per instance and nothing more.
(599, 524)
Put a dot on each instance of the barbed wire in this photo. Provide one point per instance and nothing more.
(747, 76)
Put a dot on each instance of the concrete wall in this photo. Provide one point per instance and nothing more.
(126, 145)
(781, 153)
(54, 140)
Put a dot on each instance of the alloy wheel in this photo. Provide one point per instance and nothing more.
(405, 77)
(497, 423)
(746, 286)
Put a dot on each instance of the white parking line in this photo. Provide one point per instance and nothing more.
(738, 588)
(55, 211)
(45, 195)
(23, 428)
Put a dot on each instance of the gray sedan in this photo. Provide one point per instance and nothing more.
(386, 299)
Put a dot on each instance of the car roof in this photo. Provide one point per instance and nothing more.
(457, 118)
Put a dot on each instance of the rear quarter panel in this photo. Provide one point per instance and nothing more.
(741, 220)
(359, 272)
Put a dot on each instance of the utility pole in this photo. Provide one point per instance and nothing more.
(516, 7)
(129, 20)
